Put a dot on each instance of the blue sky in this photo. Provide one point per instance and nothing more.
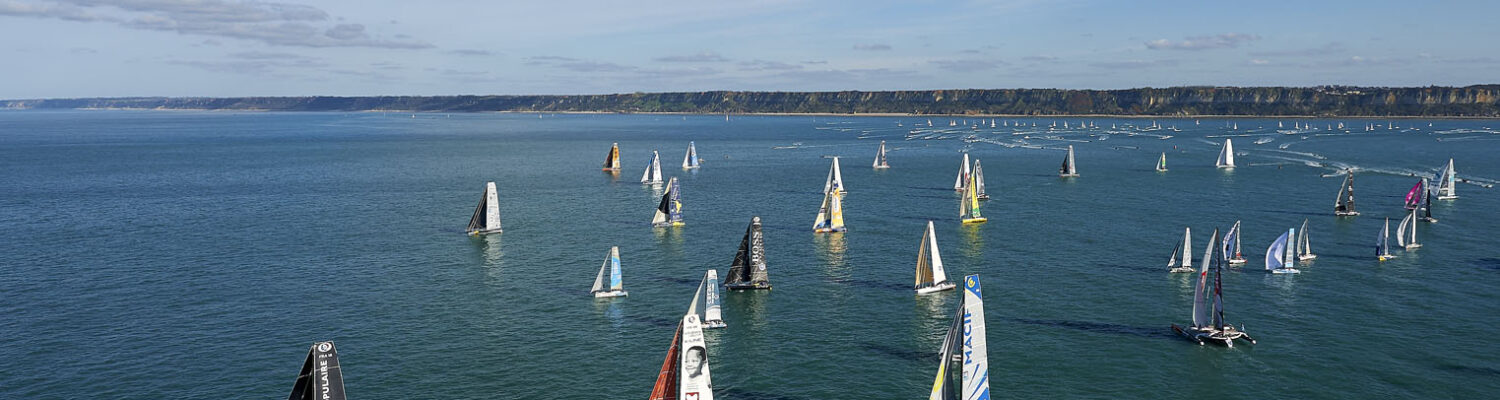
(89, 48)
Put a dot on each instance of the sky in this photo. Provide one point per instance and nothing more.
(230, 48)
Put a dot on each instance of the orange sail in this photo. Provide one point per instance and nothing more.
(666, 381)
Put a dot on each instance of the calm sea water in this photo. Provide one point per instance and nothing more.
(197, 255)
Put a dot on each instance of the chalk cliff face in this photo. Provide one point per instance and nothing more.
(1472, 101)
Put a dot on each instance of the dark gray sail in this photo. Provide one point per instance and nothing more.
(749, 268)
(477, 222)
(321, 378)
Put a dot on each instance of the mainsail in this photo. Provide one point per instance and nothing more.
(1201, 296)
(968, 206)
(1226, 155)
(964, 345)
(1406, 234)
(835, 179)
(1069, 168)
(749, 268)
(1304, 244)
(1446, 182)
(669, 211)
(830, 213)
(321, 378)
(712, 317)
(1427, 201)
(880, 157)
(1186, 248)
(963, 174)
(690, 160)
(1161, 164)
(979, 181)
(1279, 254)
(1382, 242)
(1344, 205)
(607, 283)
(930, 275)
(653, 171)
(1232, 239)
(612, 161)
(486, 217)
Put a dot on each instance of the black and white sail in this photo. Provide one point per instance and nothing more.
(486, 219)
(749, 268)
(321, 378)
(1343, 206)
(979, 182)
(1069, 167)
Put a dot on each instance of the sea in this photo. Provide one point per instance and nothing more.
(187, 254)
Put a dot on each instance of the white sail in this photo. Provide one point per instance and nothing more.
(711, 311)
(978, 176)
(963, 174)
(1226, 155)
(965, 345)
(486, 217)
(1187, 247)
(835, 179)
(936, 258)
(1274, 253)
(880, 161)
(1161, 164)
(653, 171)
(1304, 244)
(1446, 182)
(608, 282)
(690, 159)
(693, 378)
(1382, 242)
(1201, 295)
(1069, 167)
(1406, 234)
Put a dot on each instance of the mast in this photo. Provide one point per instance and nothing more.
(612, 161)
(653, 171)
(1382, 242)
(321, 378)
(963, 174)
(486, 217)
(1226, 155)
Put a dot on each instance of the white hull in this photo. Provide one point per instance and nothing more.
(1235, 261)
(1447, 197)
(1183, 270)
(1413, 246)
(1068, 175)
(937, 288)
(612, 293)
(1346, 214)
(1307, 257)
(715, 324)
(1286, 271)
(484, 232)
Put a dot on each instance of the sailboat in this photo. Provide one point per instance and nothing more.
(1304, 245)
(612, 161)
(930, 275)
(685, 374)
(1279, 255)
(690, 160)
(1161, 164)
(486, 219)
(1427, 201)
(1415, 196)
(1186, 248)
(835, 181)
(669, 212)
(612, 287)
(749, 268)
(1383, 242)
(968, 206)
(963, 174)
(711, 303)
(1344, 205)
(1208, 307)
(1069, 168)
(831, 213)
(1406, 234)
(963, 370)
(1226, 155)
(880, 162)
(979, 181)
(1232, 239)
(1446, 182)
(321, 378)
(652, 176)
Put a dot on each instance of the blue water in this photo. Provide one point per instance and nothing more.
(197, 255)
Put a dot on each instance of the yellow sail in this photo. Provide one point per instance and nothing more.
(970, 210)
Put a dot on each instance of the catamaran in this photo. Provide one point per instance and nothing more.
(613, 287)
(968, 206)
(711, 303)
(1406, 234)
(1382, 242)
(1415, 196)
(749, 268)
(612, 161)
(685, 374)
(669, 212)
(830, 214)
(963, 174)
(1069, 168)
(1208, 307)
(1226, 155)
(1304, 246)
(979, 181)
(1343, 206)
(690, 160)
(1232, 239)
(1161, 164)
(652, 176)
(880, 162)
(964, 371)
(1186, 248)
(930, 275)
(1446, 182)
(1280, 255)
(486, 219)
(321, 378)
(835, 179)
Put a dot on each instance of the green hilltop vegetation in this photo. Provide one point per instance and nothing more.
(1324, 101)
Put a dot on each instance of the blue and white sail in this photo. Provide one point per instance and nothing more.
(690, 160)
(964, 345)
(712, 317)
(608, 282)
(653, 170)
(1278, 255)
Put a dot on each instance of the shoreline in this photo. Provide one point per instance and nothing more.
(762, 114)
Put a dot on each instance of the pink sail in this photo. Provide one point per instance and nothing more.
(1414, 197)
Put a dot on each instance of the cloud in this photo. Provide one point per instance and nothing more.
(280, 24)
(544, 60)
(694, 58)
(1220, 41)
(967, 65)
(470, 52)
(1330, 48)
(815, 62)
(83, 50)
(1133, 64)
(255, 63)
(763, 65)
(872, 47)
(1259, 62)
(1041, 58)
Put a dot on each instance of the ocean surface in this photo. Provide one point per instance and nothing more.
(199, 254)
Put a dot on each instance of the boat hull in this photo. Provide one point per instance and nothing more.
(1413, 246)
(484, 232)
(937, 288)
(1384, 258)
(1446, 197)
(667, 224)
(1236, 261)
(1307, 257)
(979, 220)
(1183, 270)
(749, 286)
(828, 230)
(1203, 336)
(715, 324)
(1286, 271)
(610, 170)
(612, 293)
(1346, 213)
(1067, 175)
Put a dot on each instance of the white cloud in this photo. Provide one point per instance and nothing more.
(1220, 41)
